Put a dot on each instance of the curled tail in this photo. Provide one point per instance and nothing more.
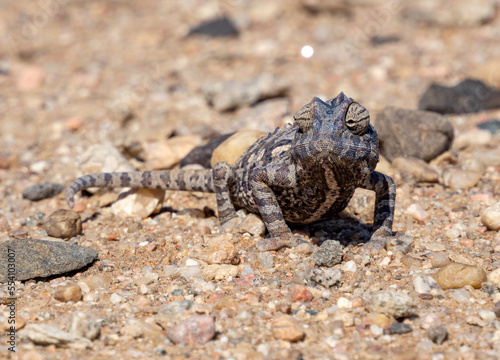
(190, 180)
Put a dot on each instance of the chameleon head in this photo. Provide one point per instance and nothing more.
(338, 128)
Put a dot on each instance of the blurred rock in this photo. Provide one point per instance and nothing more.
(490, 217)
(98, 281)
(225, 96)
(220, 272)
(474, 137)
(424, 284)
(285, 327)
(216, 250)
(326, 278)
(232, 148)
(164, 154)
(450, 13)
(329, 254)
(219, 27)
(203, 154)
(197, 329)
(494, 277)
(325, 6)
(301, 294)
(42, 191)
(400, 328)
(437, 334)
(466, 97)
(492, 126)
(417, 212)
(139, 202)
(44, 334)
(272, 113)
(456, 276)
(30, 78)
(84, 325)
(410, 133)
(253, 225)
(419, 169)
(63, 224)
(68, 293)
(41, 258)
(393, 303)
(440, 259)
(456, 178)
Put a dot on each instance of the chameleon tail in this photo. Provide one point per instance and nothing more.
(190, 180)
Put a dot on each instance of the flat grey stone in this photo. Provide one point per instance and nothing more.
(41, 258)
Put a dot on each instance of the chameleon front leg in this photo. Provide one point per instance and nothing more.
(260, 181)
(385, 200)
(223, 176)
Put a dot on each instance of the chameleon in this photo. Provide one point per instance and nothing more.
(301, 174)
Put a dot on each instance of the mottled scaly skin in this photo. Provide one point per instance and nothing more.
(298, 175)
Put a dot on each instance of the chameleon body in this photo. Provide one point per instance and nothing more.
(298, 175)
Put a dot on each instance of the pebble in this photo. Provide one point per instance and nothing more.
(44, 334)
(98, 281)
(272, 113)
(424, 284)
(197, 329)
(103, 157)
(175, 309)
(421, 134)
(326, 278)
(84, 325)
(68, 293)
(165, 154)
(461, 296)
(216, 250)
(35, 220)
(440, 259)
(437, 334)
(42, 191)
(139, 202)
(329, 254)
(490, 217)
(417, 212)
(253, 225)
(203, 154)
(349, 266)
(429, 320)
(63, 224)
(456, 178)
(301, 294)
(494, 277)
(487, 315)
(41, 258)
(218, 27)
(400, 328)
(419, 169)
(30, 78)
(472, 138)
(285, 327)
(266, 259)
(224, 96)
(400, 244)
(456, 276)
(138, 329)
(456, 99)
(220, 272)
(116, 299)
(393, 303)
(232, 148)
(493, 125)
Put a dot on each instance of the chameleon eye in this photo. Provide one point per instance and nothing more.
(357, 119)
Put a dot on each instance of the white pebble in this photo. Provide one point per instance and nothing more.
(350, 266)
(116, 299)
(344, 303)
(417, 212)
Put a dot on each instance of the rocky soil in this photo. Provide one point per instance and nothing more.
(88, 86)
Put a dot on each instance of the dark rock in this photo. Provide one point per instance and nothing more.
(438, 334)
(377, 40)
(400, 328)
(203, 154)
(466, 97)
(329, 254)
(410, 133)
(41, 258)
(493, 126)
(63, 224)
(216, 28)
(42, 191)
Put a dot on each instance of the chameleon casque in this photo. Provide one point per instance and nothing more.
(297, 175)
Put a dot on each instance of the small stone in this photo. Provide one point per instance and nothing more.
(475, 137)
(164, 154)
(63, 224)
(285, 327)
(224, 96)
(197, 329)
(68, 293)
(326, 278)
(393, 303)
(231, 149)
(253, 225)
(220, 272)
(417, 212)
(137, 329)
(490, 217)
(35, 220)
(457, 179)
(84, 325)
(103, 157)
(461, 296)
(218, 27)
(175, 309)
(42, 191)
(437, 334)
(44, 334)
(419, 169)
(98, 281)
(424, 284)
(266, 259)
(139, 202)
(429, 320)
(329, 254)
(440, 259)
(116, 299)
(400, 328)
(301, 294)
(30, 78)
(408, 261)
(493, 125)
(400, 244)
(487, 316)
(344, 303)
(494, 277)
(216, 250)
(41, 258)
(421, 134)
(349, 266)
(456, 276)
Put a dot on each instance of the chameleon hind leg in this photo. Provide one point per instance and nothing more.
(261, 181)
(223, 175)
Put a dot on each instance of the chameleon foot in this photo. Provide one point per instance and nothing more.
(276, 243)
(374, 246)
